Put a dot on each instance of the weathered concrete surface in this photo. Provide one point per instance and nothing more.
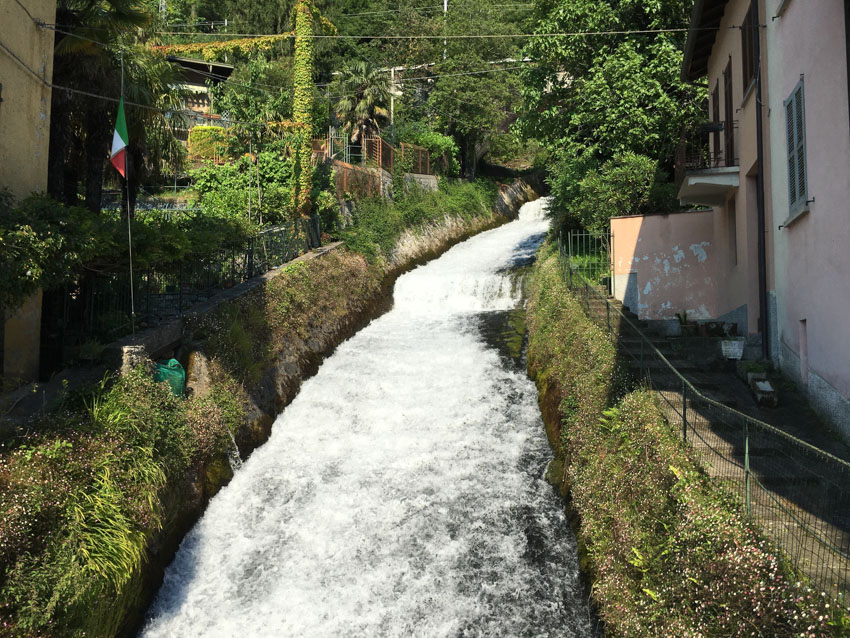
(22, 342)
(426, 182)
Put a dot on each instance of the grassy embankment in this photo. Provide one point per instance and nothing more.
(115, 476)
(666, 553)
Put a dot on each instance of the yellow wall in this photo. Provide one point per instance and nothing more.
(24, 139)
(25, 110)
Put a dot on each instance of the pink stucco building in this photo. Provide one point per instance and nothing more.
(773, 164)
(808, 49)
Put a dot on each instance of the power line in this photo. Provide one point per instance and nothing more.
(431, 8)
(468, 36)
(29, 15)
(107, 98)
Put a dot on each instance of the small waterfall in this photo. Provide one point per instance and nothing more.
(233, 456)
(401, 492)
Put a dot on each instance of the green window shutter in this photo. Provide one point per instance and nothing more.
(800, 125)
(792, 151)
(795, 126)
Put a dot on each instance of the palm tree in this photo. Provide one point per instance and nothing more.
(364, 91)
(90, 60)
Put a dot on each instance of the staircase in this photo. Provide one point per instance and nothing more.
(797, 494)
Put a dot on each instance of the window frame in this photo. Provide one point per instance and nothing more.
(796, 152)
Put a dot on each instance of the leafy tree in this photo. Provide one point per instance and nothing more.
(472, 108)
(80, 134)
(592, 97)
(257, 91)
(628, 184)
(364, 91)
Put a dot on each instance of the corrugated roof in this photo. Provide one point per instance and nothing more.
(705, 20)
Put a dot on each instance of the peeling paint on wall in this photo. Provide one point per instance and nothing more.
(672, 271)
(699, 250)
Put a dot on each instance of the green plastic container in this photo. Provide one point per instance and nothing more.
(173, 373)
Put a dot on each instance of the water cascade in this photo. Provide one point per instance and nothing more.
(401, 493)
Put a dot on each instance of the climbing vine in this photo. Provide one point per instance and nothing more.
(226, 50)
(306, 16)
(302, 107)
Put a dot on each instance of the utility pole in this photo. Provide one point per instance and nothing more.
(445, 18)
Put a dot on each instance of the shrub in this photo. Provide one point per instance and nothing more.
(208, 142)
(80, 501)
(443, 149)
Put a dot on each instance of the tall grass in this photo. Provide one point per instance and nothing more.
(378, 223)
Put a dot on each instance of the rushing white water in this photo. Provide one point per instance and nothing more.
(401, 493)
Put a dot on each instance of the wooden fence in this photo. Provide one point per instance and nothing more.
(374, 152)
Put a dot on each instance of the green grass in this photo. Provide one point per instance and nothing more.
(378, 223)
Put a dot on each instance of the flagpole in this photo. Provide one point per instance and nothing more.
(129, 226)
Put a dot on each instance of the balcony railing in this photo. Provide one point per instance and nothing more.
(710, 145)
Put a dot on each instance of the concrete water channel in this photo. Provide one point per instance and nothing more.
(402, 492)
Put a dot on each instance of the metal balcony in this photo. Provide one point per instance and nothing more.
(707, 165)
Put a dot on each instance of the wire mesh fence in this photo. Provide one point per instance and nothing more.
(797, 493)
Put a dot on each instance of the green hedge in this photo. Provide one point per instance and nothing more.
(666, 552)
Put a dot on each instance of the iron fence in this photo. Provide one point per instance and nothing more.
(96, 308)
(797, 493)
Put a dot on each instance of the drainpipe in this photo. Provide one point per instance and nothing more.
(762, 247)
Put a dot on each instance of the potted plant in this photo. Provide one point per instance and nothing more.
(686, 328)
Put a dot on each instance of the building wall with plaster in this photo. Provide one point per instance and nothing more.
(666, 264)
(24, 143)
(808, 41)
(736, 221)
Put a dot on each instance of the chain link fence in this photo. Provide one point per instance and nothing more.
(797, 493)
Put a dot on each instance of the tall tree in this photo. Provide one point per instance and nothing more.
(363, 93)
(591, 97)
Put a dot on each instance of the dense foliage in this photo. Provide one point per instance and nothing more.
(443, 149)
(80, 502)
(590, 98)
(668, 554)
(379, 223)
(41, 242)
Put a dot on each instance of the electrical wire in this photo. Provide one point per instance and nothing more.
(466, 36)
(107, 98)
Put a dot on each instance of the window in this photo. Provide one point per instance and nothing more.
(795, 128)
(715, 118)
(748, 45)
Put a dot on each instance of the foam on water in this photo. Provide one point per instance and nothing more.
(401, 492)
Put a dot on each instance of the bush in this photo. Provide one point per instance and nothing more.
(443, 148)
(208, 142)
(80, 501)
(42, 243)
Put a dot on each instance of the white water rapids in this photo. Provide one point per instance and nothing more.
(401, 493)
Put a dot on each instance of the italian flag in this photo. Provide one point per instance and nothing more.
(120, 139)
